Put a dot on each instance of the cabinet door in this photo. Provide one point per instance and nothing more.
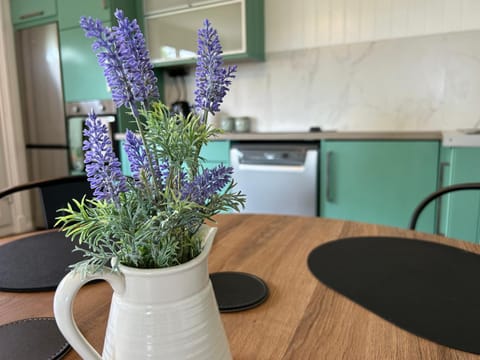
(83, 78)
(172, 35)
(154, 6)
(216, 152)
(378, 182)
(70, 11)
(461, 210)
(24, 11)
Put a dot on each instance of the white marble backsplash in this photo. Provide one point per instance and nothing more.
(418, 83)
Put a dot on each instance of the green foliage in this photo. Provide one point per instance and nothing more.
(151, 227)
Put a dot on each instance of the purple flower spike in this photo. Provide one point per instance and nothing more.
(103, 167)
(212, 80)
(133, 53)
(208, 183)
(137, 157)
(136, 154)
(122, 53)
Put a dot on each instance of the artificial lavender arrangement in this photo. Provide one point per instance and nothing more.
(150, 220)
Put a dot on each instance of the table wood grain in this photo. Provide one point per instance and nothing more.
(301, 319)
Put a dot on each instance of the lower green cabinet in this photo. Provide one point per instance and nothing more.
(460, 211)
(378, 182)
(216, 153)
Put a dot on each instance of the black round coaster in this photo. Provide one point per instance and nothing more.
(237, 291)
(35, 338)
(37, 262)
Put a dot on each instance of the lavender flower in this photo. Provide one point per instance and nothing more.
(122, 53)
(137, 156)
(208, 183)
(212, 80)
(102, 166)
(133, 53)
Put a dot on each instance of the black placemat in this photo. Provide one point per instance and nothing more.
(238, 291)
(36, 263)
(428, 289)
(31, 339)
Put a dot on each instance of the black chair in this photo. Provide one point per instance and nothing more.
(55, 194)
(435, 195)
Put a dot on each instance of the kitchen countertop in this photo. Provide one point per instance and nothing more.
(326, 135)
(334, 135)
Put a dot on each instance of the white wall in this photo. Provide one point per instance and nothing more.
(412, 65)
(311, 23)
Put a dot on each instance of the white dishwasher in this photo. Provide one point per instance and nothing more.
(277, 177)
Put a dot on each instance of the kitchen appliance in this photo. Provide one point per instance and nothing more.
(38, 63)
(277, 177)
(76, 114)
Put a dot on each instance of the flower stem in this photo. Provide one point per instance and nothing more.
(136, 116)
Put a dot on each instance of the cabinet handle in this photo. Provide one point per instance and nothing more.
(328, 176)
(441, 177)
(31, 15)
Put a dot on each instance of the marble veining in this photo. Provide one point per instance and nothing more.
(411, 84)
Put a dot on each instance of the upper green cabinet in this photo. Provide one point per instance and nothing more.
(378, 182)
(83, 78)
(460, 211)
(70, 11)
(171, 29)
(32, 12)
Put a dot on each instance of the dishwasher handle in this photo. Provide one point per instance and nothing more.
(328, 176)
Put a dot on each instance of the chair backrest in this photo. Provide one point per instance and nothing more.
(55, 194)
(435, 195)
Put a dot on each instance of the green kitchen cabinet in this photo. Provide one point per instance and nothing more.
(70, 11)
(83, 78)
(216, 153)
(26, 13)
(378, 182)
(460, 211)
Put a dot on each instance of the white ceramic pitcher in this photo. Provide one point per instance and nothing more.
(168, 313)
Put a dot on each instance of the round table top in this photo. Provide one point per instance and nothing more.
(301, 319)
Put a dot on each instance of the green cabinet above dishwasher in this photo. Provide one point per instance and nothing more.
(377, 181)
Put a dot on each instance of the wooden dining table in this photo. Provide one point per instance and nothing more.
(301, 318)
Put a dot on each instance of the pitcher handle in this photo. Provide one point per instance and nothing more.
(63, 307)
